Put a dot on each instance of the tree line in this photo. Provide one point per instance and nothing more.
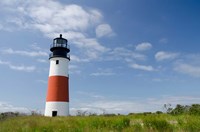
(193, 109)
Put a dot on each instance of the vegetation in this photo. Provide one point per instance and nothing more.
(183, 109)
(180, 118)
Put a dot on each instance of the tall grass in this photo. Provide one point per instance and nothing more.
(137, 122)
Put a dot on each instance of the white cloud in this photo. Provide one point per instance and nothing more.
(42, 60)
(162, 55)
(70, 35)
(142, 67)
(121, 53)
(103, 72)
(52, 18)
(104, 30)
(6, 107)
(100, 104)
(1, 27)
(91, 43)
(22, 68)
(90, 95)
(163, 40)
(42, 81)
(91, 48)
(117, 106)
(74, 69)
(35, 47)
(174, 100)
(24, 53)
(4, 62)
(143, 46)
(75, 58)
(160, 79)
(97, 104)
(18, 67)
(188, 69)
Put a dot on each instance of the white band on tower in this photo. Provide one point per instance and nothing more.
(58, 67)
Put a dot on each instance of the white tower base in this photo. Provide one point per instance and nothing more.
(57, 109)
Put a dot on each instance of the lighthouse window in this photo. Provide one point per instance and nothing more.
(57, 62)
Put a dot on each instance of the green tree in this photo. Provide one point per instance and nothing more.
(194, 109)
(168, 108)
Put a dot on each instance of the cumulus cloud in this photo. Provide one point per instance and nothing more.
(4, 62)
(101, 104)
(75, 58)
(74, 69)
(104, 30)
(93, 49)
(162, 55)
(174, 100)
(24, 53)
(94, 103)
(116, 106)
(42, 81)
(18, 67)
(143, 46)
(52, 18)
(63, 17)
(6, 107)
(103, 72)
(121, 53)
(188, 69)
(163, 40)
(142, 67)
(42, 60)
(35, 47)
(90, 95)
(22, 68)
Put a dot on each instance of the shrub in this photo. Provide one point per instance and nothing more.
(120, 123)
(194, 109)
(159, 112)
(158, 124)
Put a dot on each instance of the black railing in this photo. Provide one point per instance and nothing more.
(60, 45)
(55, 55)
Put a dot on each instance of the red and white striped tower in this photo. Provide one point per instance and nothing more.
(57, 100)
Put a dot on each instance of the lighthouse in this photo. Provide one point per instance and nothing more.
(57, 99)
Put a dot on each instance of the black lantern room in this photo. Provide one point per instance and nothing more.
(59, 48)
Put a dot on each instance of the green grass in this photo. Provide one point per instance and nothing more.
(131, 123)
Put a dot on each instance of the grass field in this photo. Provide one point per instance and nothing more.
(129, 123)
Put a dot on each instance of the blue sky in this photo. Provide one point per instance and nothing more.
(126, 56)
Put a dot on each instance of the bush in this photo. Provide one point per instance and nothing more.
(158, 124)
(159, 112)
(194, 109)
(122, 123)
(6, 115)
(98, 123)
(185, 109)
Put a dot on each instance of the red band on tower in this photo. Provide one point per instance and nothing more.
(58, 89)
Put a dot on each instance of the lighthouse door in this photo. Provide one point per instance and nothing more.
(54, 113)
